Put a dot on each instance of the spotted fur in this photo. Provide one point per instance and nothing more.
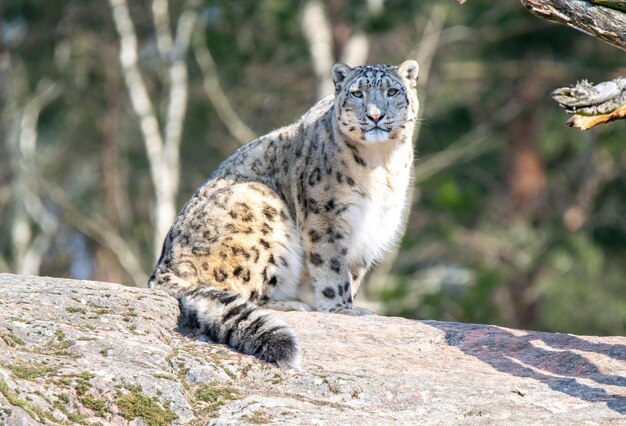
(313, 204)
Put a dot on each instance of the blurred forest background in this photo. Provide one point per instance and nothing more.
(113, 112)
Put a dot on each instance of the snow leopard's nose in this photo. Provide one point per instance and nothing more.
(374, 113)
(375, 117)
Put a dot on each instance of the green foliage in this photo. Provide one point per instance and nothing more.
(31, 409)
(211, 396)
(30, 371)
(212, 392)
(11, 339)
(134, 404)
(98, 405)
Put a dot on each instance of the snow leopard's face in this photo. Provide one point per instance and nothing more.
(375, 103)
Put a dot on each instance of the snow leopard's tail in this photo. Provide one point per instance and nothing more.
(226, 317)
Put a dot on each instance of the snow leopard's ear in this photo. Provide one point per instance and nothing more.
(409, 70)
(340, 72)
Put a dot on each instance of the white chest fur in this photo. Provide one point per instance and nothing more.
(376, 220)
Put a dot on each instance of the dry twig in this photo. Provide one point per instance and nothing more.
(593, 105)
(216, 95)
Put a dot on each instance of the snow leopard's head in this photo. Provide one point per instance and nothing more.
(376, 103)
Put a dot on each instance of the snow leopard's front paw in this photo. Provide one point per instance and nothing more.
(354, 311)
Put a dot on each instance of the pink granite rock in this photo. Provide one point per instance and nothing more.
(84, 352)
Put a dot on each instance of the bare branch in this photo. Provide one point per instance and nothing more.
(424, 52)
(161, 16)
(178, 93)
(317, 31)
(603, 19)
(149, 125)
(604, 170)
(585, 98)
(584, 122)
(32, 189)
(602, 22)
(375, 7)
(468, 147)
(46, 93)
(218, 98)
(613, 4)
(593, 105)
(94, 226)
(355, 51)
(21, 146)
(137, 88)
(163, 152)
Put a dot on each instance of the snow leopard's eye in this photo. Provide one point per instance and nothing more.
(392, 92)
(357, 93)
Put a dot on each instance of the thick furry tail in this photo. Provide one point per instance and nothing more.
(228, 318)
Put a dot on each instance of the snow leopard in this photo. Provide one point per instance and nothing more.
(308, 207)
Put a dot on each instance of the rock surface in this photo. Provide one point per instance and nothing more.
(78, 352)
